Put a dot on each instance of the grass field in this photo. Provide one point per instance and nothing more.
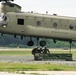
(12, 67)
(15, 51)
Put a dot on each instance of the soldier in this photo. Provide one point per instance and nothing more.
(35, 50)
(41, 50)
(45, 50)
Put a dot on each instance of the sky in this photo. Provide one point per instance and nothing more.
(60, 7)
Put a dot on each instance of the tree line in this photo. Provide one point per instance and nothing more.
(10, 41)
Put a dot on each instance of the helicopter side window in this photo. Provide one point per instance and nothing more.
(20, 21)
(71, 26)
(55, 25)
(38, 23)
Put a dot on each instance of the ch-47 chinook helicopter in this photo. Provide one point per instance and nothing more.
(29, 24)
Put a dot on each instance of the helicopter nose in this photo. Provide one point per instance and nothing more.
(3, 21)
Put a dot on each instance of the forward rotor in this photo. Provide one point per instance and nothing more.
(6, 0)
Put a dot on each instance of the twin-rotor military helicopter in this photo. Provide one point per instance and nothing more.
(29, 24)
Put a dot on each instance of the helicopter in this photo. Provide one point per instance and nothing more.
(28, 24)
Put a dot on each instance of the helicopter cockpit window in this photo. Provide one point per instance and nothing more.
(20, 21)
(11, 5)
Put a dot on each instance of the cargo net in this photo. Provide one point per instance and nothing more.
(44, 54)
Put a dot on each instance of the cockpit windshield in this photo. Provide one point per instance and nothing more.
(4, 19)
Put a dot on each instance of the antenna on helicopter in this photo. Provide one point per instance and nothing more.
(6, 0)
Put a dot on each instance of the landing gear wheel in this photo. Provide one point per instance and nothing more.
(42, 43)
(30, 43)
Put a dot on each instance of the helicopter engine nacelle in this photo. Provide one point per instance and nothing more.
(9, 7)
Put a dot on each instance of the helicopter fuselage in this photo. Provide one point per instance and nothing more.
(39, 25)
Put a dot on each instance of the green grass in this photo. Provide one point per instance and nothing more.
(12, 67)
(16, 52)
